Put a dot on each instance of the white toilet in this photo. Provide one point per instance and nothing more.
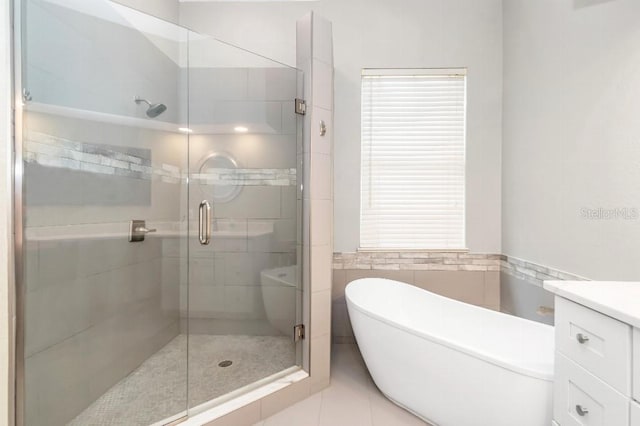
(279, 297)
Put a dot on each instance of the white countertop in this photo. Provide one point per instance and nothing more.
(617, 299)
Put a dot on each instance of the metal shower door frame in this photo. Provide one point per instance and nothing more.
(16, 295)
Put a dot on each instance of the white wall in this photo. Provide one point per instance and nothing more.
(572, 134)
(387, 33)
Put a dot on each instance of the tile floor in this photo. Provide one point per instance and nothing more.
(351, 400)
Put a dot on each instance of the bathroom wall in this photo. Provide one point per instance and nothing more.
(384, 33)
(571, 192)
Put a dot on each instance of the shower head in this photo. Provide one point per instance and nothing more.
(153, 110)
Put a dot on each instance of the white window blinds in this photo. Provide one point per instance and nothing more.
(413, 159)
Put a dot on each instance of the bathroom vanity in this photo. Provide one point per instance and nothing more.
(597, 354)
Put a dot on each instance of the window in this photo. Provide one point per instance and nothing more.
(413, 159)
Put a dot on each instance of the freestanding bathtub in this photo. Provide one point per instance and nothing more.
(451, 363)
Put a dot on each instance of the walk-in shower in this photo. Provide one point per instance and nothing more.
(116, 329)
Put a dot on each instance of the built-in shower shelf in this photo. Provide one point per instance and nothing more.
(102, 117)
(257, 124)
(223, 229)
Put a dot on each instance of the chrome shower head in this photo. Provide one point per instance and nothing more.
(153, 110)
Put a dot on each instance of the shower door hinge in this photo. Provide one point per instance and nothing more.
(298, 332)
(301, 106)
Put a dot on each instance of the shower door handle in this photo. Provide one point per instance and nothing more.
(204, 227)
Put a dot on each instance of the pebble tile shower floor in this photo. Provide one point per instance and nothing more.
(157, 389)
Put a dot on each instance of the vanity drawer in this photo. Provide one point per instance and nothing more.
(636, 364)
(635, 414)
(581, 399)
(598, 343)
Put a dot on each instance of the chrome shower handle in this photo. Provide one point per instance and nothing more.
(144, 230)
(204, 228)
(137, 230)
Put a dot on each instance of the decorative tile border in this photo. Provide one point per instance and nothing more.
(450, 261)
(426, 261)
(52, 151)
(248, 177)
(533, 273)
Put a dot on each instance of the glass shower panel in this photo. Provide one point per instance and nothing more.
(100, 327)
(245, 160)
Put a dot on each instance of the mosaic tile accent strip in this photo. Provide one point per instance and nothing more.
(248, 177)
(429, 261)
(52, 151)
(533, 273)
(451, 261)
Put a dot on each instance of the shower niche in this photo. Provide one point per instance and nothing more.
(131, 117)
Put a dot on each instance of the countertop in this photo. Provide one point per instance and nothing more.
(617, 299)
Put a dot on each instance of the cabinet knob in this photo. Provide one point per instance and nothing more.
(582, 411)
(582, 338)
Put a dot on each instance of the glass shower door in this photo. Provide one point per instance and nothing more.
(160, 221)
(246, 168)
(99, 299)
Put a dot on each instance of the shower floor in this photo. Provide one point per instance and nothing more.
(157, 389)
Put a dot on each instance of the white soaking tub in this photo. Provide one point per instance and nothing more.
(451, 363)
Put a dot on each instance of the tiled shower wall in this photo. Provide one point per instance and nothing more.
(315, 58)
(259, 225)
(88, 290)
(96, 309)
(96, 306)
(98, 286)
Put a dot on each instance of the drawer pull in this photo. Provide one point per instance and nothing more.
(582, 411)
(582, 338)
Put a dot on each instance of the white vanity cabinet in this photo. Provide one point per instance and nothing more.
(597, 361)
